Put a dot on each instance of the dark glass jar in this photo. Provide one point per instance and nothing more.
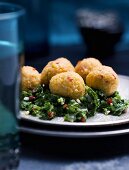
(101, 31)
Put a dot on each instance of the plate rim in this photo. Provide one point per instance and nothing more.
(76, 124)
(73, 134)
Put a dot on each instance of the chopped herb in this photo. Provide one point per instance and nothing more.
(42, 103)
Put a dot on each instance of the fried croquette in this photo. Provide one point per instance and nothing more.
(84, 66)
(103, 78)
(55, 67)
(30, 78)
(67, 84)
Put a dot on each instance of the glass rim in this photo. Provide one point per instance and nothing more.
(16, 12)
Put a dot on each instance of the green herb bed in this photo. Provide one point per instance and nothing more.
(41, 103)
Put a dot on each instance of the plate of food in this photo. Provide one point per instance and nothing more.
(89, 94)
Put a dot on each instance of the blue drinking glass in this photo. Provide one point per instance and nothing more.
(11, 55)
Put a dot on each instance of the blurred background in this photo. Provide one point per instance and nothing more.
(77, 29)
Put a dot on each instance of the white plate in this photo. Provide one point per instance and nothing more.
(99, 119)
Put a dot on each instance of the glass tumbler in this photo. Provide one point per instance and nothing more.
(11, 55)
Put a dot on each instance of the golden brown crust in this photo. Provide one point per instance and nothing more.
(55, 67)
(86, 65)
(103, 78)
(68, 84)
(30, 78)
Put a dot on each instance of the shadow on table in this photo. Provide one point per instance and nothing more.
(74, 149)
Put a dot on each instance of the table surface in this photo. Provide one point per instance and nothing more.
(48, 153)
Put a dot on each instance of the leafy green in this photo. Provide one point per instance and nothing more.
(42, 103)
(90, 101)
(113, 105)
